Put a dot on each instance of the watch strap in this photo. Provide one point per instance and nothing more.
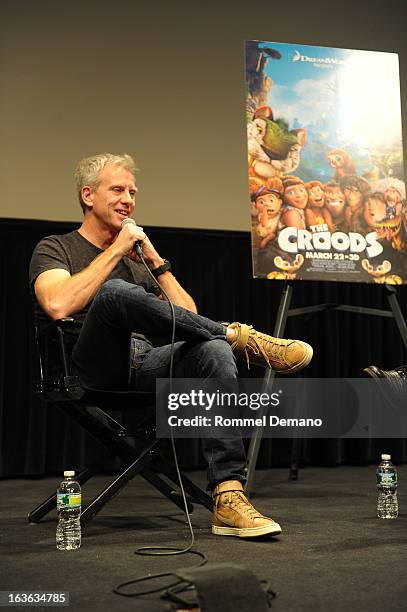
(166, 266)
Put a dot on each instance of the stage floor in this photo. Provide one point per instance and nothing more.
(333, 555)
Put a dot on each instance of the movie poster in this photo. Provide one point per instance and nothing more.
(325, 163)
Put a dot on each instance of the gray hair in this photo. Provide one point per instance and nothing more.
(88, 170)
(383, 184)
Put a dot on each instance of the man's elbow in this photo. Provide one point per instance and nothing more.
(55, 310)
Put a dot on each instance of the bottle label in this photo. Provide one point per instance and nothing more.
(387, 480)
(69, 500)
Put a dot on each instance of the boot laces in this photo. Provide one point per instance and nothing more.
(241, 504)
(267, 346)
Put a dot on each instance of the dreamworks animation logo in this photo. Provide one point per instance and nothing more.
(299, 57)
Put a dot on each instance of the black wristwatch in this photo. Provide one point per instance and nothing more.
(161, 269)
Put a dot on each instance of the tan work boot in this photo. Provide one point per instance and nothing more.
(283, 356)
(234, 515)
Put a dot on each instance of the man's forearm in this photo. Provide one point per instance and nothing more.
(176, 292)
(73, 293)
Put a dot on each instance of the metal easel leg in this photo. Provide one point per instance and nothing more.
(269, 376)
(398, 315)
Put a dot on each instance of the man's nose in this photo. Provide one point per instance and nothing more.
(127, 197)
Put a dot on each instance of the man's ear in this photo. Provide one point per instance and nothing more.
(87, 198)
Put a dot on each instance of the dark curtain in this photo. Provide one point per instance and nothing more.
(215, 267)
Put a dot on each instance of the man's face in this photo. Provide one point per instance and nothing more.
(353, 196)
(374, 211)
(334, 201)
(115, 197)
(271, 202)
(316, 196)
(296, 195)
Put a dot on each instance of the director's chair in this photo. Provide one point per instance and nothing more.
(141, 452)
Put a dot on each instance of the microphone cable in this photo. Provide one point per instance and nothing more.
(163, 551)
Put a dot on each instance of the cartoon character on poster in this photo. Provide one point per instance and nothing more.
(325, 164)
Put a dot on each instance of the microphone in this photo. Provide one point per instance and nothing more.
(138, 243)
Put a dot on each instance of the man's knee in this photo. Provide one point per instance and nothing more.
(112, 287)
(217, 358)
(112, 290)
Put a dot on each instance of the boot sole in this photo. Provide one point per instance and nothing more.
(247, 532)
(302, 364)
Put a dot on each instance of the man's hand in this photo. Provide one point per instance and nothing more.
(126, 239)
(129, 235)
(151, 256)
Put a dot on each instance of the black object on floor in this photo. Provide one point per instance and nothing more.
(223, 586)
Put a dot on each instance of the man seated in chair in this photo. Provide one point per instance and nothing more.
(95, 274)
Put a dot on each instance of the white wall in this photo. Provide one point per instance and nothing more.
(161, 80)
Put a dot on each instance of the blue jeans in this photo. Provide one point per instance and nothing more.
(108, 356)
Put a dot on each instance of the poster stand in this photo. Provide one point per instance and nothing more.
(283, 312)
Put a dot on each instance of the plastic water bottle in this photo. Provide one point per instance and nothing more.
(69, 498)
(387, 504)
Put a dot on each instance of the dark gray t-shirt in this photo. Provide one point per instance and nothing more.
(72, 252)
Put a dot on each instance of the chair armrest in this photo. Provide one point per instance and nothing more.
(66, 323)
